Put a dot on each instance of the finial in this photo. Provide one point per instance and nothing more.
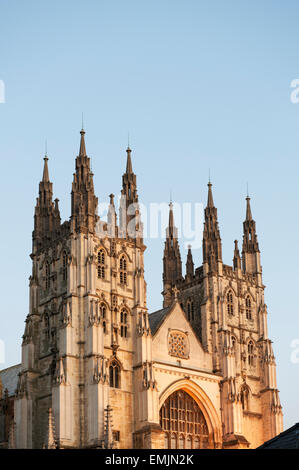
(247, 191)
(209, 176)
(128, 141)
(248, 208)
(82, 123)
(82, 151)
(170, 197)
(46, 149)
(129, 168)
(210, 195)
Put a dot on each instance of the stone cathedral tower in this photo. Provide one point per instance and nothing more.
(225, 306)
(98, 371)
(87, 345)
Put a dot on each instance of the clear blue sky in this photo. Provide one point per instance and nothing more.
(199, 85)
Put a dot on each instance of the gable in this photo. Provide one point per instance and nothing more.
(174, 340)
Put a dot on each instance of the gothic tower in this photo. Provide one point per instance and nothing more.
(225, 306)
(87, 342)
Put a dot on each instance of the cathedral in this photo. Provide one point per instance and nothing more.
(100, 371)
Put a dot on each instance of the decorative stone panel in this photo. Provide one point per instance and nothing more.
(178, 344)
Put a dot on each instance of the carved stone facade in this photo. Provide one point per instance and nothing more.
(226, 309)
(99, 372)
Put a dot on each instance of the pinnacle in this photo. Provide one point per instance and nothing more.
(46, 170)
(248, 209)
(129, 168)
(82, 151)
(210, 196)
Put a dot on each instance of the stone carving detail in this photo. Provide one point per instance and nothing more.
(22, 386)
(94, 317)
(59, 375)
(66, 315)
(178, 344)
(28, 334)
(100, 370)
(143, 324)
(148, 376)
(232, 392)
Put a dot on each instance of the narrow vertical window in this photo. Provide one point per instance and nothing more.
(230, 303)
(123, 270)
(248, 308)
(101, 264)
(190, 310)
(123, 323)
(114, 375)
(250, 349)
(103, 312)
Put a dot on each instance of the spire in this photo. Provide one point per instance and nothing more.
(248, 209)
(129, 207)
(172, 264)
(210, 196)
(84, 201)
(129, 161)
(212, 248)
(129, 186)
(82, 151)
(236, 259)
(112, 218)
(250, 248)
(47, 215)
(46, 170)
(171, 231)
(189, 264)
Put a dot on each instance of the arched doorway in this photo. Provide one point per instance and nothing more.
(183, 422)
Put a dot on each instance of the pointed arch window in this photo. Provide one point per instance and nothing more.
(123, 323)
(250, 350)
(123, 270)
(64, 266)
(230, 302)
(47, 275)
(190, 310)
(103, 313)
(183, 422)
(101, 264)
(248, 308)
(114, 375)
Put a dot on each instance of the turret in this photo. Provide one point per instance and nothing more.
(189, 264)
(172, 264)
(47, 215)
(130, 222)
(237, 258)
(250, 250)
(84, 201)
(212, 248)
